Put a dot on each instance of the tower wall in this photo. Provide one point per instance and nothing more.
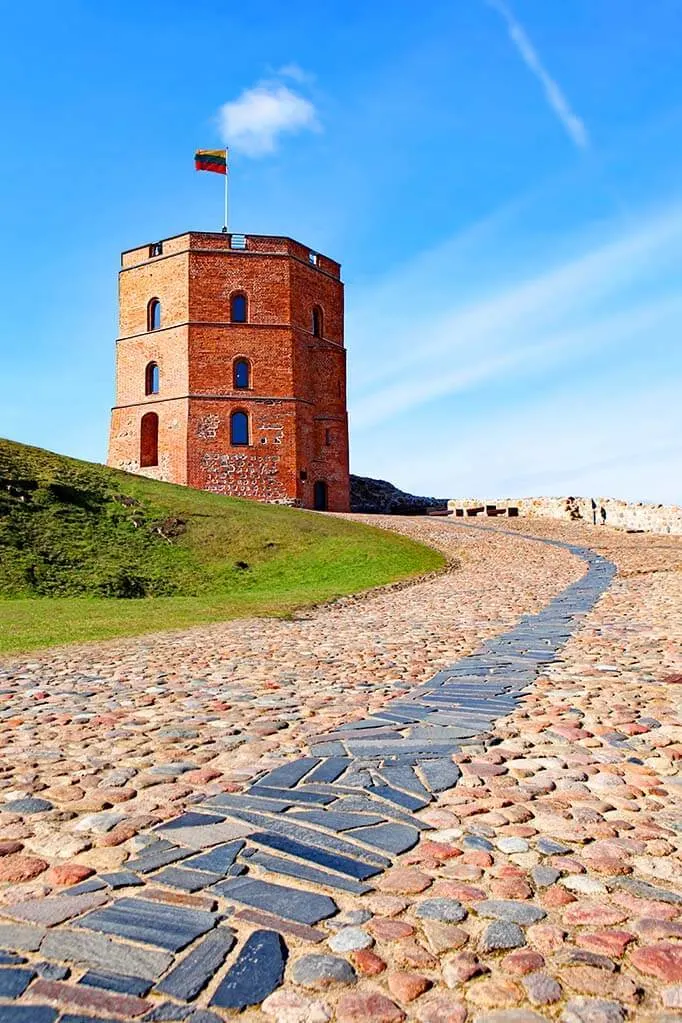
(296, 398)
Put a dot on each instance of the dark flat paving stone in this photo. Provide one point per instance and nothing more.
(115, 982)
(363, 804)
(409, 802)
(55, 909)
(290, 795)
(329, 749)
(191, 819)
(186, 880)
(399, 718)
(168, 1011)
(474, 703)
(439, 775)
(305, 872)
(346, 787)
(446, 733)
(288, 775)
(14, 980)
(27, 1014)
(192, 974)
(337, 821)
(329, 770)
(121, 879)
(153, 858)
(258, 971)
(151, 923)
(290, 903)
(421, 746)
(357, 780)
(476, 722)
(7, 959)
(246, 801)
(393, 838)
(492, 690)
(101, 953)
(78, 1018)
(218, 860)
(321, 857)
(413, 710)
(317, 839)
(378, 721)
(93, 884)
(386, 734)
(403, 777)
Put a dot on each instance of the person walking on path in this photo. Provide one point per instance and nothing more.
(602, 512)
(594, 512)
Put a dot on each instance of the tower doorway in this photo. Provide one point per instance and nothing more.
(320, 496)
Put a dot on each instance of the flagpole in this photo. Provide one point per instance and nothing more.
(225, 223)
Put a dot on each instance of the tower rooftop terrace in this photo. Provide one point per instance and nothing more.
(220, 241)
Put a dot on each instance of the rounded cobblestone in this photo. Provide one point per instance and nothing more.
(350, 939)
(446, 910)
(319, 971)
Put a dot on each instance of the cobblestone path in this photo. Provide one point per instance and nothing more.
(496, 842)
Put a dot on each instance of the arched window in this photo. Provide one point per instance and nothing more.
(242, 374)
(317, 321)
(238, 307)
(320, 496)
(151, 378)
(153, 314)
(239, 428)
(149, 440)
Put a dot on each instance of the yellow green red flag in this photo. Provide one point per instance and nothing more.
(211, 160)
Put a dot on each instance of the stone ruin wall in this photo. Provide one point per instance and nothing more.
(648, 518)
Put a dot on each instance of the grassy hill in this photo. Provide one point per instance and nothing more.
(88, 552)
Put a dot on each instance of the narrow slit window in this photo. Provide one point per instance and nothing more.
(317, 321)
(242, 374)
(238, 308)
(151, 378)
(154, 314)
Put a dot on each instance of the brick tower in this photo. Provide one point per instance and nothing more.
(231, 369)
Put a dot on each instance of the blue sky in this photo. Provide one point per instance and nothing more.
(502, 183)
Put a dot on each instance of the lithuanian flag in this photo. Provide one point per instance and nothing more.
(211, 160)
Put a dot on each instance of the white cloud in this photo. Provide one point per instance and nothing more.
(254, 121)
(574, 125)
(295, 72)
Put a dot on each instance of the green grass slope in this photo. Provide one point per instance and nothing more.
(88, 552)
